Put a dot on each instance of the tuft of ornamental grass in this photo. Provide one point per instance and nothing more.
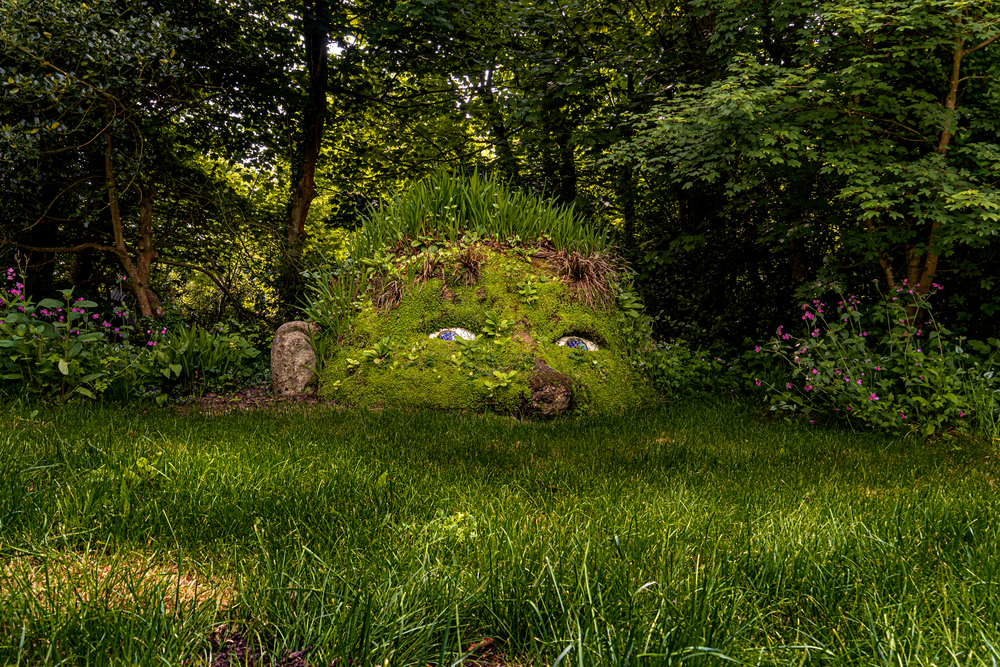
(449, 207)
(695, 533)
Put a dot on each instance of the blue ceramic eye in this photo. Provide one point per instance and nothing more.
(451, 334)
(578, 343)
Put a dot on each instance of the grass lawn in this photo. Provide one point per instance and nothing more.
(696, 533)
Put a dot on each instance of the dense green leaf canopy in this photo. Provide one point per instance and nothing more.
(740, 151)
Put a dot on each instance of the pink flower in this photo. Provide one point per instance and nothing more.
(902, 415)
(872, 397)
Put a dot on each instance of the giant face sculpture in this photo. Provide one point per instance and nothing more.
(488, 327)
(465, 295)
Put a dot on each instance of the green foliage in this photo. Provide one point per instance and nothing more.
(196, 359)
(334, 296)
(677, 370)
(49, 349)
(502, 380)
(838, 150)
(527, 290)
(495, 326)
(445, 207)
(673, 368)
(889, 366)
(104, 100)
(379, 353)
(67, 64)
(60, 350)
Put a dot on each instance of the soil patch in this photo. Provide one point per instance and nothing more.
(247, 399)
(234, 648)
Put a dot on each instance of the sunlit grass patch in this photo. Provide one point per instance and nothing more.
(695, 533)
(73, 578)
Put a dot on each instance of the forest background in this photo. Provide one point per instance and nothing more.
(744, 156)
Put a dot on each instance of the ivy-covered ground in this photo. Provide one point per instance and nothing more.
(691, 532)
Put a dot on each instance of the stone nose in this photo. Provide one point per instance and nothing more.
(551, 391)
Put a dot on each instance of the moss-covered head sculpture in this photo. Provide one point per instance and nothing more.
(461, 294)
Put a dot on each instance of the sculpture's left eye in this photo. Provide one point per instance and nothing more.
(453, 333)
(578, 343)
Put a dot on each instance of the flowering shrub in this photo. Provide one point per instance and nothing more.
(68, 348)
(48, 347)
(889, 366)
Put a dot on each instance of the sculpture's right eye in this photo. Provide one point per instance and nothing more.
(452, 333)
(578, 343)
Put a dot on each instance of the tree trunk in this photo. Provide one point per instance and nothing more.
(38, 266)
(920, 268)
(146, 254)
(626, 186)
(501, 138)
(137, 284)
(567, 169)
(311, 140)
(800, 261)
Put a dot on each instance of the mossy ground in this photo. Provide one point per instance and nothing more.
(518, 310)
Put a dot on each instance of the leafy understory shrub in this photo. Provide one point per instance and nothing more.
(677, 369)
(888, 365)
(69, 348)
